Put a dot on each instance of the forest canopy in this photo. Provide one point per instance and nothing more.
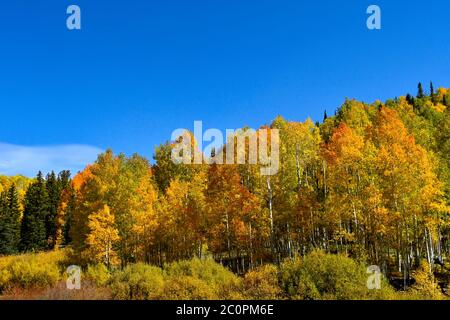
(371, 182)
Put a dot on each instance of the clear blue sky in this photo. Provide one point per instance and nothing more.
(139, 69)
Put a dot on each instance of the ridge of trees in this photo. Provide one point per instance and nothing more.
(372, 182)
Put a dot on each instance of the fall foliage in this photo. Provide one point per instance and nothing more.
(371, 183)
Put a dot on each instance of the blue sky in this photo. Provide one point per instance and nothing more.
(139, 69)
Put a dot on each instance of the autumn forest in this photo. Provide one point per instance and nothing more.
(366, 186)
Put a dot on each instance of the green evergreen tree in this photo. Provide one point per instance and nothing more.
(410, 99)
(4, 224)
(64, 179)
(433, 95)
(14, 207)
(9, 221)
(420, 93)
(33, 229)
(53, 191)
(67, 193)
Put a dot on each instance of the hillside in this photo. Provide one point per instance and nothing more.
(371, 183)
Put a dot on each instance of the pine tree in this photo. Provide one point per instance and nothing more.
(64, 179)
(53, 191)
(433, 95)
(33, 229)
(4, 224)
(14, 207)
(325, 116)
(420, 93)
(9, 221)
(409, 99)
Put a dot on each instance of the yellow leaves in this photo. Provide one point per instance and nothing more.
(381, 217)
(354, 114)
(370, 180)
(262, 283)
(440, 207)
(125, 186)
(442, 92)
(21, 183)
(380, 179)
(102, 237)
(232, 210)
(388, 129)
(439, 107)
(142, 210)
(406, 167)
(425, 286)
(344, 235)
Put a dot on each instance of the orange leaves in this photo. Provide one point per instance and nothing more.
(124, 185)
(371, 184)
(345, 146)
(407, 170)
(379, 179)
(232, 209)
(80, 179)
(388, 129)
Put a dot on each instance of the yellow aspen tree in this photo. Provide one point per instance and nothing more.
(102, 237)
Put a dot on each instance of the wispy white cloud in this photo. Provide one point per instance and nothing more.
(26, 160)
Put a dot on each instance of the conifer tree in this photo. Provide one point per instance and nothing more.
(14, 216)
(4, 212)
(64, 179)
(33, 229)
(9, 221)
(410, 99)
(53, 191)
(420, 93)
